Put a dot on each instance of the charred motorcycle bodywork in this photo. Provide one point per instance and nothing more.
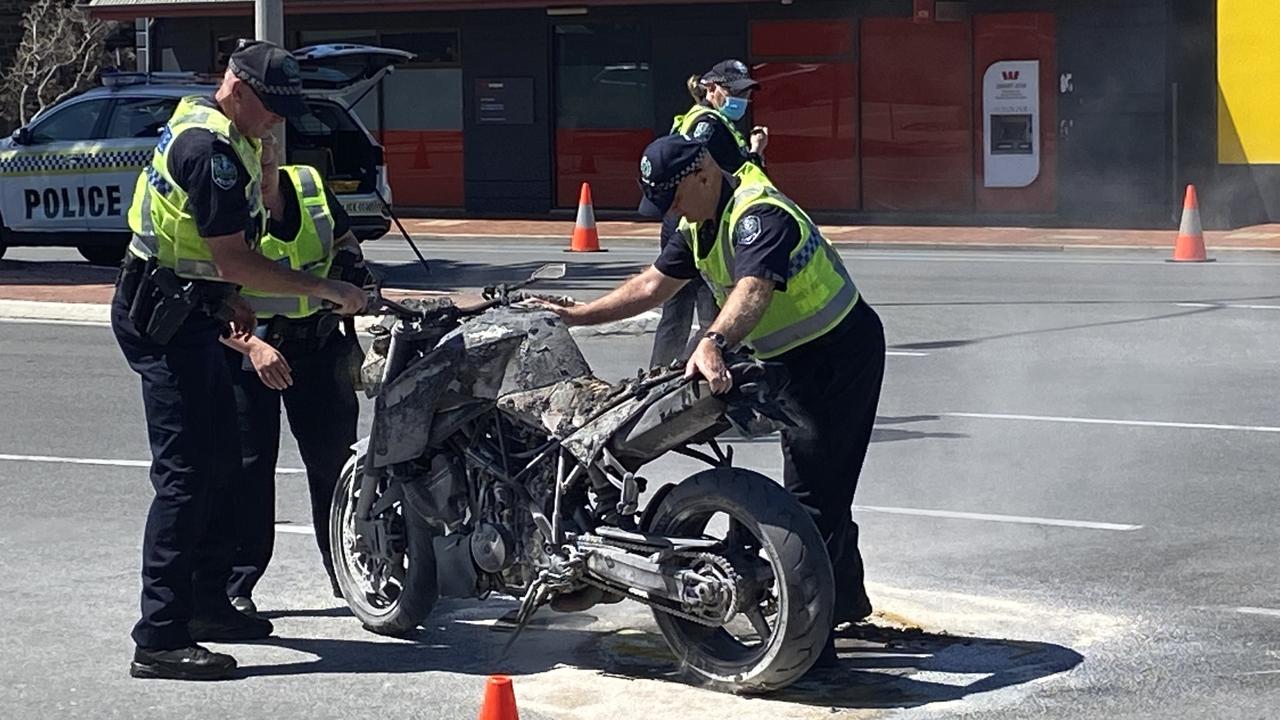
(498, 463)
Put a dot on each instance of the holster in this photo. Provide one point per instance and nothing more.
(161, 300)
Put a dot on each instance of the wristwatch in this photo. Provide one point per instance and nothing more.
(718, 340)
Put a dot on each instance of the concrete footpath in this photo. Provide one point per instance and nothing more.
(1258, 237)
(78, 292)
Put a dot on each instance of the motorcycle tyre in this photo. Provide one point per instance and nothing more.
(807, 600)
(421, 589)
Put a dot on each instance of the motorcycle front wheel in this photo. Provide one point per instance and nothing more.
(390, 592)
(785, 590)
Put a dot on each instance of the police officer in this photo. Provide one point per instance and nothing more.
(783, 291)
(197, 216)
(720, 96)
(296, 354)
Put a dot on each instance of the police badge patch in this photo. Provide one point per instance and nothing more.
(225, 173)
(748, 230)
(702, 130)
(646, 168)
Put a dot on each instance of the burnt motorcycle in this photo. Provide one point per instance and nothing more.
(497, 462)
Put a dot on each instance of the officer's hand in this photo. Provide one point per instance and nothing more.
(569, 314)
(272, 368)
(348, 298)
(759, 138)
(707, 362)
(243, 319)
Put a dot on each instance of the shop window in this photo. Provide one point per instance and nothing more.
(435, 48)
(604, 111)
(809, 101)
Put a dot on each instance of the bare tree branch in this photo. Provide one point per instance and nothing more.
(58, 56)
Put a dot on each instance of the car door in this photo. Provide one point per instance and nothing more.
(43, 177)
(130, 134)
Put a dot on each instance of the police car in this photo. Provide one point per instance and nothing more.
(67, 177)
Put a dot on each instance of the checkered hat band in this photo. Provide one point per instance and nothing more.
(674, 181)
(261, 87)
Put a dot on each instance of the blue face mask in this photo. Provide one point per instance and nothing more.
(734, 108)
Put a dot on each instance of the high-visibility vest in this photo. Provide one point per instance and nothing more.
(819, 291)
(162, 221)
(311, 251)
(684, 124)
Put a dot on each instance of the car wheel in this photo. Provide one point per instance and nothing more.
(106, 255)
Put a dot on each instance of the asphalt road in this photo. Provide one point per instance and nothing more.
(1072, 490)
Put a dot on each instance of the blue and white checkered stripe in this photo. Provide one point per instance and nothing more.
(24, 163)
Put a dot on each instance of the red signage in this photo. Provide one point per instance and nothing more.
(922, 11)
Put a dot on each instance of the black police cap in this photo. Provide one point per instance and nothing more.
(732, 74)
(667, 161)
(273, 75)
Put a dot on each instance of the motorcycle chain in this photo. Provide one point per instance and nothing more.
(720, 563)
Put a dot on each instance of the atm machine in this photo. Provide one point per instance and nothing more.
(1011, 124)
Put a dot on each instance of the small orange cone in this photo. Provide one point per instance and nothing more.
(1190, 244)
(585, 237)
(499, 700)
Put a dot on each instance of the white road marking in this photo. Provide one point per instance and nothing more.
(1269, 612)
(291, 529)
(991, 517)
(109, 462)
(1233, 306)
(51, 321)
(905, 353)
(1109, 421)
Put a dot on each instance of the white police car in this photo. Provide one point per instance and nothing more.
(67, 178)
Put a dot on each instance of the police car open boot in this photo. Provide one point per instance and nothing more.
(228, 625)
(188, 663)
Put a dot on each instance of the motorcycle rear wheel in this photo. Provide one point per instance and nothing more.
(390, 595)
(767, 526)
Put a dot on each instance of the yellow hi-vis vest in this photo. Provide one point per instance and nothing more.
(683, 124)
(310, 252)
(160, 217)
(819, 291)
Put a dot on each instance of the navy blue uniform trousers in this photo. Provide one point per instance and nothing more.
(195, 457)
(835, 386)
(323, 411)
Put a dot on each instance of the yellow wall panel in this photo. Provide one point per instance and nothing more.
(1248, 81)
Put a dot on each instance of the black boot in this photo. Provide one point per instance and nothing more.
(228, 626)
(188, 663)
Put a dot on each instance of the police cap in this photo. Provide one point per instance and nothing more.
(273, 75)
(667, 161)
(732, 74)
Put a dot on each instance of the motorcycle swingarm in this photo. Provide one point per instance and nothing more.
(628, 570)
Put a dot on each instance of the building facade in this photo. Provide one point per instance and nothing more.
(1041, 112)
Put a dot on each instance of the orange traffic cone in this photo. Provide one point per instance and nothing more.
(585, 237)
(499, 700)
(1190, 244)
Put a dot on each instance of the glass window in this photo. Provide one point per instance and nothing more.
(602, 77)
(69, 122)
(140, 117)
(431, 48)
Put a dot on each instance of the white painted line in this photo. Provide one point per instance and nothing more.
(109, 462)
(291, 529)
(1032, 257)
(1108, 421)
(905, 353)
(53, 321)
(1233, 306)
(991, 517)
(1269, 612)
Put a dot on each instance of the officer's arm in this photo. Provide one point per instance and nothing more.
(240, 264)
(643, 292)
(743, 309)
